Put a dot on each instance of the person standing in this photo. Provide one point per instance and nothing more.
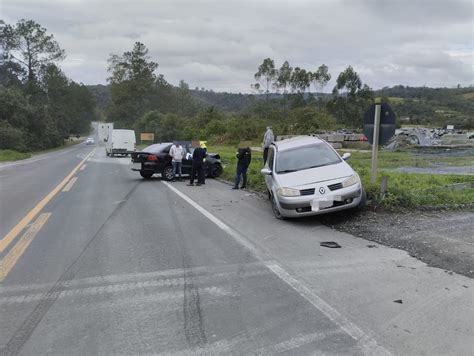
(177, 153)
(268, 138)
(199, 155)
(244, 157)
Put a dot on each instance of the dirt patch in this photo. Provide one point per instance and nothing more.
(440, 239)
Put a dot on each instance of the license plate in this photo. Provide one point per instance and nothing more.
(319, 204)
(136, 165)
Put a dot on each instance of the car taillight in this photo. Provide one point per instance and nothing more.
(152, 158)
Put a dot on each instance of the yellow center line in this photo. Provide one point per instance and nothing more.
(7, 263)
(83, 167)
(8, 238)
(69, 185)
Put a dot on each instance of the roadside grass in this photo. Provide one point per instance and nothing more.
(405, 190)
(11, 155)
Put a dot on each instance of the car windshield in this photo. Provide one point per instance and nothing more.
(156, 148)
(306, 157)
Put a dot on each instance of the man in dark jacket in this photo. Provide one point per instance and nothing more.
(199, 156)
(244, 157)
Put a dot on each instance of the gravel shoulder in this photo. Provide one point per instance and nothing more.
(440, 239)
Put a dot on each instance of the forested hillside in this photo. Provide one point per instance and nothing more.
(39, 105)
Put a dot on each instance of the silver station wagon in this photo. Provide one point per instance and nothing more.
(306, 176)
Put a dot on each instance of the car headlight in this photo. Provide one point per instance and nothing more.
(288, 192)
(350, 181)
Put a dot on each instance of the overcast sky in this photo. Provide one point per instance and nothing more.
(219, 44)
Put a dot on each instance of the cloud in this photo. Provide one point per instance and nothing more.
(219, 44)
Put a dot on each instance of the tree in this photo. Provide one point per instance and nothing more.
(284, 76)
(266, 76)
(350, 98)
(349, 82)
(29, 45)
(321, 77)
(133, 85)
(300, 80)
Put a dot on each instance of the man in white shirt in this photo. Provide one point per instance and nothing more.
(177, 153)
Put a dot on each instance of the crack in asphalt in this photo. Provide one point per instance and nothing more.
(193, 320)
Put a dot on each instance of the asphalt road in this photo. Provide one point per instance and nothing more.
(110, 263)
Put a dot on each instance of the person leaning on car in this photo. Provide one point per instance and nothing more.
(244, 157)
(177, 153)
(199, 156)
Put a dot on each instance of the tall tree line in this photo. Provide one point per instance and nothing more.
(39, 105)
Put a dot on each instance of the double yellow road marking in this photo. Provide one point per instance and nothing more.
(7, 263)
(69, 185)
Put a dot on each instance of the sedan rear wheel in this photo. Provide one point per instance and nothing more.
(167, 173)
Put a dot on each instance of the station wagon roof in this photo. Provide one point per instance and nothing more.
(296, 142)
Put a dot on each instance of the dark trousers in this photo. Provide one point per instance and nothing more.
(197, 168)
(241, 171)
(265, 155)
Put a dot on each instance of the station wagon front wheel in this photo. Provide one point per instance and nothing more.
(275, 209)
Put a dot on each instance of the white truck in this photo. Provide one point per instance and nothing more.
(120, 142)
(104, 131)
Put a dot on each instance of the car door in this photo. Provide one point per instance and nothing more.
(270, 165)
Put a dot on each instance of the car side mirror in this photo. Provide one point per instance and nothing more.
(346, 156)
(266, 171)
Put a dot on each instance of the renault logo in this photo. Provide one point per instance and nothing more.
(322, 190)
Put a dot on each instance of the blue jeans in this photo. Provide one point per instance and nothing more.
(176, 168)
(241, 171)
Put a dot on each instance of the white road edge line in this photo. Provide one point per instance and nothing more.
(366, 342)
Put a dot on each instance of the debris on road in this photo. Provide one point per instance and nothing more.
(399, 301)
(372, 246)
(330, 244)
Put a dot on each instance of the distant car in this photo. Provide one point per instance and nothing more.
(156, 159)
(90, 141)
(306, 176)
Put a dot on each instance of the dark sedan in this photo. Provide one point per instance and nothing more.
(156, 159)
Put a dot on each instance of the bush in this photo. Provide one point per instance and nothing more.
(11, 137)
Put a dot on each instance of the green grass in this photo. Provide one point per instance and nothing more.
(406, 190)
(10, 155)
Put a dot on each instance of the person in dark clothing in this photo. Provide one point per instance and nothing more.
(244, 157)
(199, 156)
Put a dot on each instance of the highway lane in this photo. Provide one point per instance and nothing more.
(125, 265)
(24, 183)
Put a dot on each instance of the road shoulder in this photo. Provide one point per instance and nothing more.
(360, 281)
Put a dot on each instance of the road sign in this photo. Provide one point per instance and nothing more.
(387, 123)
(145, 136)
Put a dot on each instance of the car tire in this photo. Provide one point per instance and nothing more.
(167, 173)
(275, 209)
(215, 170)
(146, 174)
(363, 200)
